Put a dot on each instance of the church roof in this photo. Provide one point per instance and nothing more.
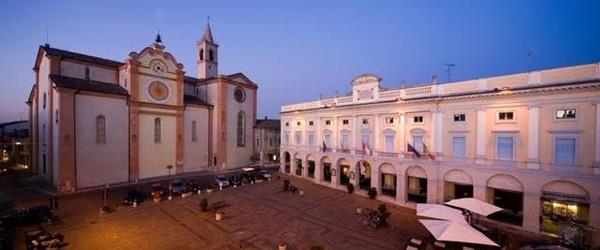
(207, 34)
(190, 99)
(80, 57)
(82, 84)
(268, 123)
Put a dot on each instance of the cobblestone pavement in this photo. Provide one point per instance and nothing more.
(256, 216)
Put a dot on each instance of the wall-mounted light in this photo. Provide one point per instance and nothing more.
(352, 175)
(333, 172)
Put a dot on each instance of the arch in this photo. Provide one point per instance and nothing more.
(458, 176)
(298, 156)
(310, 157)
(325, 159)
(241, 129)
(364, 171)
(506, 182)
(343, 161)
(387, 168)
(100, 129)
(416, 171)
(201, 54)
(566, 187)
(286, 156)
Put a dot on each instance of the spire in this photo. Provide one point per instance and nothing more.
(158, 40)
(207, 33)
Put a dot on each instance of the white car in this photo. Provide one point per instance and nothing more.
(222, 181)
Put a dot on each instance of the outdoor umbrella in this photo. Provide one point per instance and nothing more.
(474, 205)
(456, 231)
(439, 211)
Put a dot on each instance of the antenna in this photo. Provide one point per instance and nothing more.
(530, 54)
(47, 39)
(449, 67)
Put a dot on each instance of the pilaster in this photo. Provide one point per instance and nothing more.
(596, 166)
(533, 138)
(481, 136)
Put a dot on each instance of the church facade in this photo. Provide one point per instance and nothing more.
(96, 121)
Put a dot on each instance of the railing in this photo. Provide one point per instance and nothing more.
(387, 154)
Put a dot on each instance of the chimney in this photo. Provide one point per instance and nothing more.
(434, 79)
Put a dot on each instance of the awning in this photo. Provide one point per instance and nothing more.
(454, 231)
(474, 205)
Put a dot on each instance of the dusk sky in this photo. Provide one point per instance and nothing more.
(296, 50)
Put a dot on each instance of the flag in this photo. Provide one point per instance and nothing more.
(366, 148)
(324, 147)
(411, 149)
(427, 152)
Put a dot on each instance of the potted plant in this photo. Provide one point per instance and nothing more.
(204, 205)
(383, 213)
(218, 216)
(372, 193)
(282, 246)
(350, 188)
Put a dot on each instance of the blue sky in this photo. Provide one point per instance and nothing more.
(296, 50)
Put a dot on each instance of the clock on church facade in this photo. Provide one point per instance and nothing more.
(158, 91)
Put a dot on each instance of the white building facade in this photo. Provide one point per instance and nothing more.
(529, 143)
(96, 121)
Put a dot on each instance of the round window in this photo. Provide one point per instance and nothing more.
(239, 94)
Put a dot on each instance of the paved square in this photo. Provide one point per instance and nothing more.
(256, 216)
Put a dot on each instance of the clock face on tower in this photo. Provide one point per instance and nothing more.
(158, 66)
(158, 91)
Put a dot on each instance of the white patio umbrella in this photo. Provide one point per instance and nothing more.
(439, 211)
(456, 231)
(474, 205)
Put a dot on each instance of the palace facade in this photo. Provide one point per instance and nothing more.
(96, 121)
(529, 143)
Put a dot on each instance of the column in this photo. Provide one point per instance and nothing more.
(402, 135)
(436, 142)
(354, 135)
(335, 140)
(596, 166)
(533, 142)
(481, 134)
(432, 189)
(375, 147)
(531, 212)
(400, 185)
(318, 172)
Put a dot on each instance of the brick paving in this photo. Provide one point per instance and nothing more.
(256, 216)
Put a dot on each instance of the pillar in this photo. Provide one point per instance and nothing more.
(354, 136)
(400, 185)
(436, 142)
(402, 135)
(481, 135)
(376, 179)
(533, 138)
(596, 166)
(318, 172)
(531, 212)
(376, 134)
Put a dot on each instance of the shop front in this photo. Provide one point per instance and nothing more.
(388, 180)
(506, 192)
(299, 167)
(457, 184)
(287, 162)
(310, 167)
(326, 171)
(417, 184)
(565, 212)
(344, 172)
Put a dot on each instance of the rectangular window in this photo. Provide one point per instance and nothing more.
(345, 122)
(345, 141)
(389, 143)
(564, 151)
(418, 143)
(365, 138)
(310, 123)
(565, 114)
(506, 116)
(389, 120)
(460, 117)
(327, 140)
(418, 119)
(311, 139)
(327, 122)
(365, 121)
(286, 138)
(505, 148)
(458, 146)
(298, 138)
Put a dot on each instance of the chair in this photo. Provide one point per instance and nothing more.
(416, 241)
(439, 245)
(409, 247)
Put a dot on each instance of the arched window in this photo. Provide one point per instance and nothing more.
(211, 56)
(201, 54)
(194, 138)
(87, 73)
(45, 97)
(157, 133)
(100, 129)
(241, 129)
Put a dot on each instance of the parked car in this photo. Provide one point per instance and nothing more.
(133, 195)
(235, 180)
(264, 174)
(178, 187)
(29, 216)
(222, 181)
(156, 191)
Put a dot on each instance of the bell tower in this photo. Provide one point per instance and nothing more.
(208, 62)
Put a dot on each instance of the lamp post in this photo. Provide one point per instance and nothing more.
(169, 167)
(105, 208)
